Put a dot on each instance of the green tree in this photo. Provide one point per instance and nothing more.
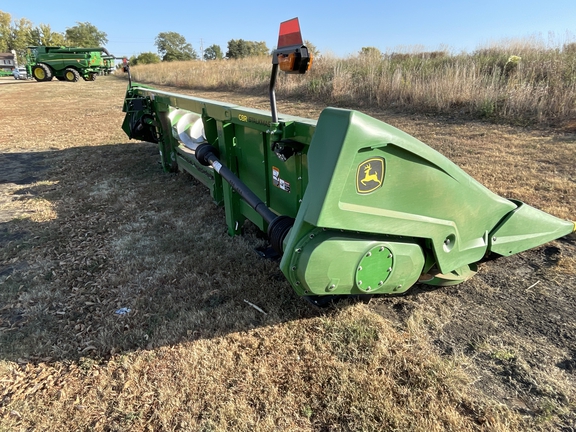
(85, 35)
(259, 49)
(19, 37)
(370, 52)
(173, 46)
(213, 52)
(312, 48)
(145, 58)
(43, 35)
(5, 20)
(239, 48)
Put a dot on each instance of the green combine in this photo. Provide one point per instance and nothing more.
(67, 63)
(352, 205)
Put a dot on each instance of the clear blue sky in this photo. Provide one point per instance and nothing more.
(338, 27)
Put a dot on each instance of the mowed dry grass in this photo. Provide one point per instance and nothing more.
(94, 225)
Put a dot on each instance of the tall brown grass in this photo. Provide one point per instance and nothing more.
(523, 80)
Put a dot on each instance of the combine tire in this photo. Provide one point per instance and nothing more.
(71, 75)
(89, 77)
(41, 72)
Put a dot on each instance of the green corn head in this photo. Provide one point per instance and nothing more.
(353, 205)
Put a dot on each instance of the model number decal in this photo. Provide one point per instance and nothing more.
(246, 119)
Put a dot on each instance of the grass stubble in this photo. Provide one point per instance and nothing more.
(99, 227)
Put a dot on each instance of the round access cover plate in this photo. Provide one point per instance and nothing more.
(374, 268)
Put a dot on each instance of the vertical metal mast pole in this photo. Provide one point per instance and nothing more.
(273, 107)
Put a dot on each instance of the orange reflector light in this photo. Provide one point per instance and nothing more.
(310, 59)
(294, 62)
(286, 62)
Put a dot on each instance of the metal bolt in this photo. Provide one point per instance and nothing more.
(390, 255)
(311, 236)
(368, 288)
(359, 283)
(447, 241)
(293, 268)
(493, 238)
(380, 283)
(381, 248)
(369, 254)
(298, 250)
(331, 287)
(359, 268)
(389, 269)
(297, 283)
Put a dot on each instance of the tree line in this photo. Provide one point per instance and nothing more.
(18, 34)
(173, 46)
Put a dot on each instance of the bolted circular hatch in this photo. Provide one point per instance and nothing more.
(374, 268)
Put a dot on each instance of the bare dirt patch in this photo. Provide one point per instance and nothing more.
(90, 225)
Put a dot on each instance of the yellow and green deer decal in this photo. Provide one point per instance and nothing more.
(369, 175)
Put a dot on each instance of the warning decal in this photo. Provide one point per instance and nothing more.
(278, 182)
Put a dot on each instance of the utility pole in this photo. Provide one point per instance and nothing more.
(201, 49)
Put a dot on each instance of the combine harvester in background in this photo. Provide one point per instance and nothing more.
(68, 63)
(353, 205)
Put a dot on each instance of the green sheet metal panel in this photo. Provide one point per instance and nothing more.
(422, 194)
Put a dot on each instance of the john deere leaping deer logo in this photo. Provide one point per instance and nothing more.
(369, 175)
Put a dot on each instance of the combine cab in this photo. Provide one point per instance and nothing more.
(352, 205)
(67, 64)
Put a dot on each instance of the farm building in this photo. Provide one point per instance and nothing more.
(7, 62)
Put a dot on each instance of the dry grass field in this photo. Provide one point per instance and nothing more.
(90, 224)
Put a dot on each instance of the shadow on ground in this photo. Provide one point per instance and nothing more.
(89, 231)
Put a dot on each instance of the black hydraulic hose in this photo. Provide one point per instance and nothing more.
(205, 155)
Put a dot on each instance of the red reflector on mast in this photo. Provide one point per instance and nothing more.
(289, 33)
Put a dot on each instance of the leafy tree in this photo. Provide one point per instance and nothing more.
(5, 20)
(213, 52)
(312, 48)
(43, 35)
(259, 49)
(145, 58)
(370, 52)
(239, 48)
(173, 46)
(85, 35)
(19, 37)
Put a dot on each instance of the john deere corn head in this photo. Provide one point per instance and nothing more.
(353, 205)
